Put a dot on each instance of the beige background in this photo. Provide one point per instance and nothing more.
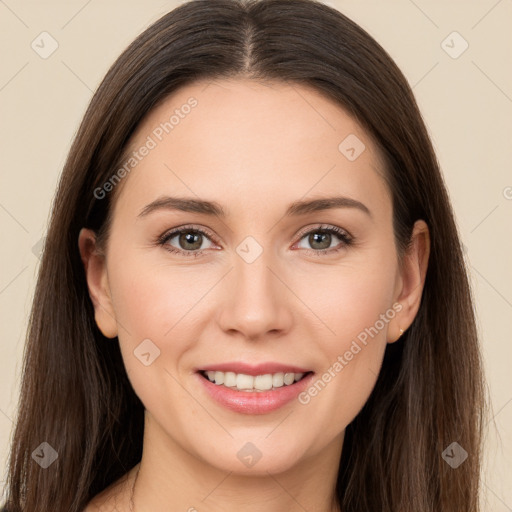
(466, 103)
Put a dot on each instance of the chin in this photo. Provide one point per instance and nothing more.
(255, 458)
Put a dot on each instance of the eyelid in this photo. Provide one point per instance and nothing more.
(323, 227)
(190, 227)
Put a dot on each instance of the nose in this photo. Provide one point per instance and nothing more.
(256, 303)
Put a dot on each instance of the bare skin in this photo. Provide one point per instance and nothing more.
(253, 148)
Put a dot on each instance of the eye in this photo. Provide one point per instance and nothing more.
(188, 241)
(321, 238)
(193, 241)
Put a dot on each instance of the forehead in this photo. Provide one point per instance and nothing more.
(242, 142)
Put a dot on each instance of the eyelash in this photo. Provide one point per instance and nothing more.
(345, 238)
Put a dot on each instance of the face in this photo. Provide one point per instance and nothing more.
(268, 283)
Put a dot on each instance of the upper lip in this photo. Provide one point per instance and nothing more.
(257, 369)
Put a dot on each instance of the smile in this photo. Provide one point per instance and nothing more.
(251, 389)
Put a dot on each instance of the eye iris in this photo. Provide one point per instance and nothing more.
(323, 238)
(190, 240)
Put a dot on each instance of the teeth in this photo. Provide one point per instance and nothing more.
(243, 382)
(289, 378)
(229, 379)
(263, 382)
(278, 380)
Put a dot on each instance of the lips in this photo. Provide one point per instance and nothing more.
(241, 398)
(244, 402)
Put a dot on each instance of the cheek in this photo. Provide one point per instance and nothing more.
(350, 297)
(155, 303)
(355, 306)
(150, 298)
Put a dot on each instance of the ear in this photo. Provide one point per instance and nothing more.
(411, 280)
(95, 266)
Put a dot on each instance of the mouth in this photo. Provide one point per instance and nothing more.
(244, 382)
(253, 388)
(260, 393)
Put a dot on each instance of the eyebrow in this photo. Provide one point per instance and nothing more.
(301, 207)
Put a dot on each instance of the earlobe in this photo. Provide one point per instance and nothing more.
(411, 280)
(96, 275)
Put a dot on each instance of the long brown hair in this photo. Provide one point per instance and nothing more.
(75, 394)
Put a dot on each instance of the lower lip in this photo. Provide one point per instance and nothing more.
(255, 402)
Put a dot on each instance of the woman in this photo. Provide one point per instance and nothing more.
(252, 291)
